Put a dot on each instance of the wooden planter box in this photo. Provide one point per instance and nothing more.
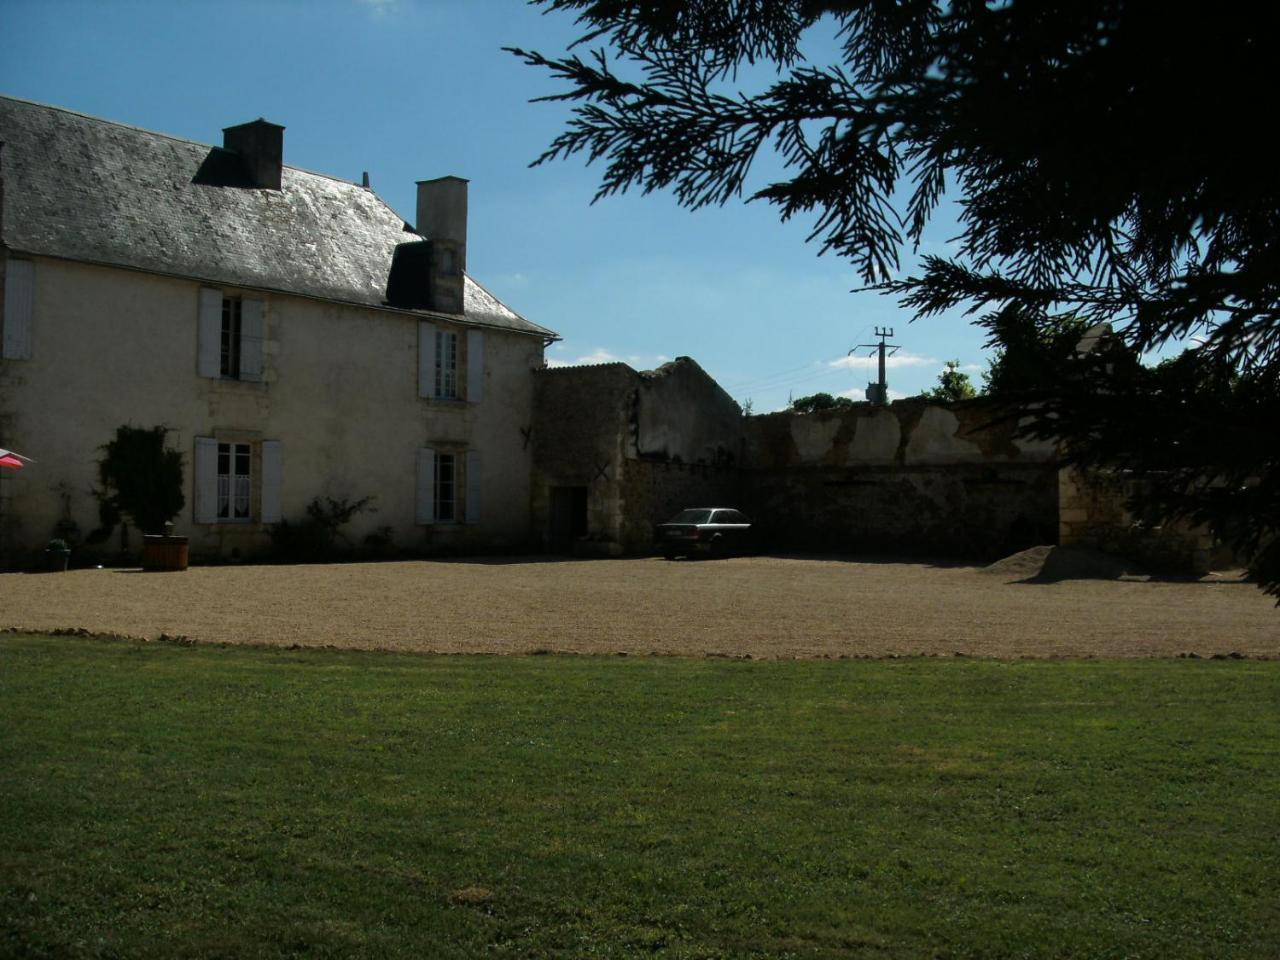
(164, 553)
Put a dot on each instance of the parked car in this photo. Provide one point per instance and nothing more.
(705, 531)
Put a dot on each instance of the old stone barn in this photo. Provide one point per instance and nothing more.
(616, 451)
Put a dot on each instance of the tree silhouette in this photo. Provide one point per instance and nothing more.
(817, 402)
(1110, 157)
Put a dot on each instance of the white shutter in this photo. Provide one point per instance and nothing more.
(19, 306)
(206, 476)
(426, 507)
(473, 486)
(209, 338)
(426, 360)
(272, 472)
(475, 365)
(251, 334)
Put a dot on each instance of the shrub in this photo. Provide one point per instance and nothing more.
(139, 480)
(315, 538)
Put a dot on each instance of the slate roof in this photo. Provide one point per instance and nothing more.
(81, 188)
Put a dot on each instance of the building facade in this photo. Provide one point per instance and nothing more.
(618, 450)
(296, 338)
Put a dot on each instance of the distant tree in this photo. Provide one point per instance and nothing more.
(819, 401)
(952, 385)
(1112, 159)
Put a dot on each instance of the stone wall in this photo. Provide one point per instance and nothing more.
(643, 445)
(654, 491)
(1093, 513)
(579, 434)
(683, 416)
(915, 477)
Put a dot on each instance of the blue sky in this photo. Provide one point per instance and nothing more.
(414, 89)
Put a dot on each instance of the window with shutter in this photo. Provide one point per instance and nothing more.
(230, 335)
(225, 491)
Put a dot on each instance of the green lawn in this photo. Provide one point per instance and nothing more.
(162, 801)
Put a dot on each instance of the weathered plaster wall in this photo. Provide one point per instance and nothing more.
(654, 491)
(643, 444)
(339, 391)
(913, 477)
(683, 415)
(1092, 513)
(580, 435)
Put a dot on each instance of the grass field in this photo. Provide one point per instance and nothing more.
(161, 800)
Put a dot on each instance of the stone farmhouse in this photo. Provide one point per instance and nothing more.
(296, 337)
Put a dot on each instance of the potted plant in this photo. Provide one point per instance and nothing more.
(57, 555)
(142, 480)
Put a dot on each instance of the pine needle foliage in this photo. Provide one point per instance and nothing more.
(1111, 160)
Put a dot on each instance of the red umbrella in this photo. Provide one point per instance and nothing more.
(13, 460)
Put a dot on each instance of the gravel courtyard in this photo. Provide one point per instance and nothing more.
(757, 606)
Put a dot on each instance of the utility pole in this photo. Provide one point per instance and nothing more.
(879, 392)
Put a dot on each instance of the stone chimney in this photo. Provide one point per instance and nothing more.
(260, 145)
(442, 219)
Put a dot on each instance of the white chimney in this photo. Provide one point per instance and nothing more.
(442, 219)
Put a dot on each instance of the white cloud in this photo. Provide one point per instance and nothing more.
(903, 358)
(509, 279)
(380, 7)
(642, 362)
(598, 355)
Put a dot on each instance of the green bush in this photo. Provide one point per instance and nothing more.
(139, 480)
(315, 538)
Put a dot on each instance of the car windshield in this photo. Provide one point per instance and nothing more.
(692, 516)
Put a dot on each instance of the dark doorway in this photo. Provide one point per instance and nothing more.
(568, 517)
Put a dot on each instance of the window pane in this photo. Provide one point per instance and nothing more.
(242, 498)
(692, 516)
(230, 337)
(242, 459)
(445, 476)
(446, 364)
